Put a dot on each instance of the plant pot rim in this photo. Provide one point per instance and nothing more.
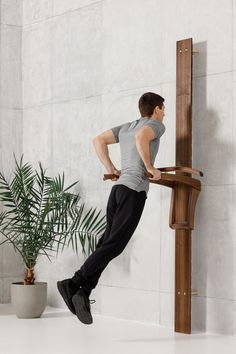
(35, 283)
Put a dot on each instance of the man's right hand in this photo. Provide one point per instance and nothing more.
(112, 170)
(116, 172)
(155, 173)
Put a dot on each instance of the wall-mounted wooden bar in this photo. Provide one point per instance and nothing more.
(183, 243)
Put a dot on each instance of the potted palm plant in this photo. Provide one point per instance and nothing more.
(40, 216)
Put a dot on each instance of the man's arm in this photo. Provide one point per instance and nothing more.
(100, 143)
(142, 138)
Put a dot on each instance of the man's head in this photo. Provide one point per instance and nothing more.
(151, 105)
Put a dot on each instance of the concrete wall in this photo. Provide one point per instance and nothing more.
(10, 123)
(84, 66)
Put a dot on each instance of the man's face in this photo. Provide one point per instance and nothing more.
(163, 110)
(160, 111)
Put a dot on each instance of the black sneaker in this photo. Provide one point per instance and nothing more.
(81, 304)
(67, 289)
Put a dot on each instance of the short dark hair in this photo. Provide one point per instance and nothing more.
(148, 101)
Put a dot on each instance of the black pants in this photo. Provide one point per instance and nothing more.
(124, 210)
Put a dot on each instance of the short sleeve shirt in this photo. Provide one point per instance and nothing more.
(132, 166)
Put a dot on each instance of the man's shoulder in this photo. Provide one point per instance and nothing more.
(128, 124)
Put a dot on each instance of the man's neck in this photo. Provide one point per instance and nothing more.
(153, 118)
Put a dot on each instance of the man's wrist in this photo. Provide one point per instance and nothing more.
(149, 167)
(110, 168)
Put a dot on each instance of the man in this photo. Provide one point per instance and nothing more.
(139, 143)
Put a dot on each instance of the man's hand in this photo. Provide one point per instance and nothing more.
(114, 170)
(100, 143)
(155, 172)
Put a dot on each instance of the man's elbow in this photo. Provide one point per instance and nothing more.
(95, 139)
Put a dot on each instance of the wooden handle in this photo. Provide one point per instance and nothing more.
(112, 175)
(109, 176)
(182, 169)
(164, 169)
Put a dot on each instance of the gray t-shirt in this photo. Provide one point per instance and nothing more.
(132, 165)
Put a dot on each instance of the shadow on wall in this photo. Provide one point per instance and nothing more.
(208, 150)
(199, 61)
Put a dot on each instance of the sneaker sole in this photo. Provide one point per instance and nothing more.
(64, 295)
(80, 308)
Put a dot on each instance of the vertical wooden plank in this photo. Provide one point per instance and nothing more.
(183, 158)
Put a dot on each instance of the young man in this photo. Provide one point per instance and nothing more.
(139, 143)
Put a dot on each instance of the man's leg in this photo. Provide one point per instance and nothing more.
(110, 211)
(127, 209)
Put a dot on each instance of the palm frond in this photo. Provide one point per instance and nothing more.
(43, 216)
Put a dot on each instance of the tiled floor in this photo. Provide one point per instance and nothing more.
(59, 331)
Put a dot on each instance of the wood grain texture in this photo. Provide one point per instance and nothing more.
(180, 200)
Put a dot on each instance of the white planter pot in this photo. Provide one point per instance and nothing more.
(29, 301)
